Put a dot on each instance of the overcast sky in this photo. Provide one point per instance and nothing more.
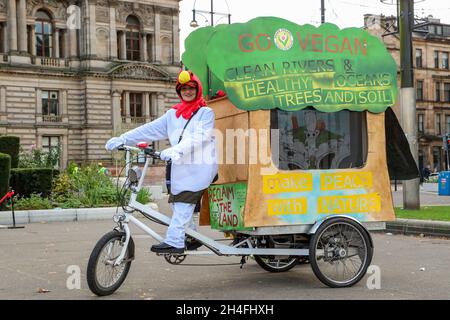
(343, 13)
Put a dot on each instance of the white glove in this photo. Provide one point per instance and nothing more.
(169, 154)
(114, 143)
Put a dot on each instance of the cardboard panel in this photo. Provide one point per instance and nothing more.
(279, 197)
(231, 141)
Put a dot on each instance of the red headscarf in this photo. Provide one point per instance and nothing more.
(184, 108)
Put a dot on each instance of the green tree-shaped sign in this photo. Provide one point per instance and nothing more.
(270, 63)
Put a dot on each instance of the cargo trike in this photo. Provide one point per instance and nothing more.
(307, 146)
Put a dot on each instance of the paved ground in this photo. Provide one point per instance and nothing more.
(38, 257)
(428, 196)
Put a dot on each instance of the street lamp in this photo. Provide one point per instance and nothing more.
(194, 23)
(405, 17)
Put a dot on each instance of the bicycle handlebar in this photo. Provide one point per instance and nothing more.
(147, 150)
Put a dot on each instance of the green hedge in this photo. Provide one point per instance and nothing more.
(5, 166)
(27, 181)
(10, 145)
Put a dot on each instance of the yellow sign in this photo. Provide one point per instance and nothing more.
(291, 182)
(345, 180)
(349, 204)
(287, 206)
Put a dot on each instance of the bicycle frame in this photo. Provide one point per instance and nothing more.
(215, 247)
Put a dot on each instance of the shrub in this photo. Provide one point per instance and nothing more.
(5, 166)
(34, 180)
(66, 201)
(11, 145)
(38, 158)
(33, 202)
(143, 196)
(62, 184)
(88, 185)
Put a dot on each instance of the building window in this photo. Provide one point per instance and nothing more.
(133, 39)
(166, 50)
(420, 127)
(432, 29)
(62, 34)
(420, 90)
(439, 29)
(447, 92)
(320, 140)
(445, 60)
(51, 145)
(44, 34)
(436, 59)
(418, 58)
(438, 91)
(437, 163)
(136, 108)
(438, 124)
(50, 106)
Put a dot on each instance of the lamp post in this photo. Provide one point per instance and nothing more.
(194, 23)
(411, 194)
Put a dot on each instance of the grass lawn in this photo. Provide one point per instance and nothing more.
(441, 213)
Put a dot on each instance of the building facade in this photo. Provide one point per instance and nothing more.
(431, 49)
(75, 73)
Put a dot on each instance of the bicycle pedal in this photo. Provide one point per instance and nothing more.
(169, 254)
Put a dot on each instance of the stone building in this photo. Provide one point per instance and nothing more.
(431, 48)
(74, 73)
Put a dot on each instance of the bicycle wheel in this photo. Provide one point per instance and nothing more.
(276, 263)
(103, 277)
(340, 252)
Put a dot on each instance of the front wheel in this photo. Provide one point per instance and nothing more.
(103, 276)
(340, 252)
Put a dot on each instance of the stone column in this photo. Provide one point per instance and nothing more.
(153, 105)
(73, 43)
(161, 109)
(113, 31)
(126, 106)
(161, 105)
(65, 146)
(22, 25)
(33, 40)
(63, 108)
(56, 43)
(12, 25)
(123, 45)
(175, 37)
(150, 51)
(92, 51)
(157, 37)
(5, 37)
(38, 105)
(116, 117)
(3, 104)
(144, 55)
(146, 106)
(66, 43)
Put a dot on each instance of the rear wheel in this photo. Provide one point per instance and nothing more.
(103, 276)
(276, 263)
(340, 252)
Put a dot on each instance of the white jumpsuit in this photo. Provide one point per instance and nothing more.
(194, 160)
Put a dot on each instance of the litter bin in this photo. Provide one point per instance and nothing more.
(444, 183)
